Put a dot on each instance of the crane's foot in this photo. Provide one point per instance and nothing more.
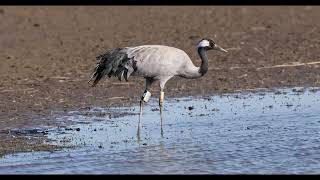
(162, 132)
(138, 134)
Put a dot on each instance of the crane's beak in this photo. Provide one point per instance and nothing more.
(218, 48)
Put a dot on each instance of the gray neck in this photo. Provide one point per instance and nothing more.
(204, 61)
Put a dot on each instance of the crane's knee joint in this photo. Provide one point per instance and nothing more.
(146, 96)
(161, 98)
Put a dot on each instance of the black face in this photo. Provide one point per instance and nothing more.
(209, 44)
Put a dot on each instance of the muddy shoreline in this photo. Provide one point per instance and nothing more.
(48, 54)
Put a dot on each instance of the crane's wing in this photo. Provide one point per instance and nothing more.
(141, 53)
(113, 63)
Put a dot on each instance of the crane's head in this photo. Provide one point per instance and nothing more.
(209, 44)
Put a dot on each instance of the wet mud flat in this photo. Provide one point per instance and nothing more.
(263, 132)
(48, 54)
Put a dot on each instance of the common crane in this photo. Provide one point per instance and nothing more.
(154, 63)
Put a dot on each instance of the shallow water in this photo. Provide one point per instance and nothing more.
(252, 133)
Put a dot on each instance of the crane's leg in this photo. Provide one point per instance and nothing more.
(163, 81)
(161, 97)
(141, 109)
(145, 98)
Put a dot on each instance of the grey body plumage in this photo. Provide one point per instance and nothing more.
(154, 63)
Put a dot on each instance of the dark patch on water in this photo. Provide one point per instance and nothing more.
(28, 132)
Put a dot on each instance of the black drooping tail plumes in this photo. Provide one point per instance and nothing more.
(113, 63)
